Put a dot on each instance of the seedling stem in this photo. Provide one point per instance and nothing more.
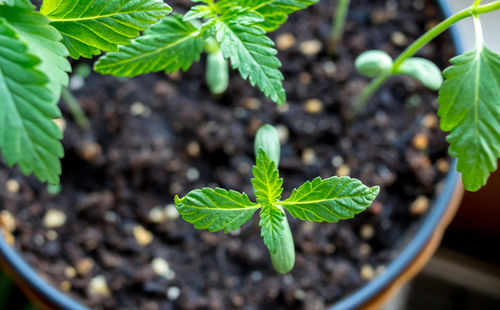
(475, 10)
(74, 108)
(338, 25)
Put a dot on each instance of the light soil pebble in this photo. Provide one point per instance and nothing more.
(98, 287)
(285, 41)
(311, 47)
(142, 236)
(54, 218)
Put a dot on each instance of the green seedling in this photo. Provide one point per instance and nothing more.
(232, 30)
(328, 200)
(469, 98)
(34, 46)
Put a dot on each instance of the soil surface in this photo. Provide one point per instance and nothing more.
(112, 238)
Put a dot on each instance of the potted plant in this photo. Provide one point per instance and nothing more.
(120, 167)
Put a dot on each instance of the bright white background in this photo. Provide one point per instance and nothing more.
(490, 22)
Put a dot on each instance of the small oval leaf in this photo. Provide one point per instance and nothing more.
(268, 140)
(217, 74)
(373, 63)
(423, 70)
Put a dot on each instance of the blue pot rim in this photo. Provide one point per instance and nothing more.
(54, 297)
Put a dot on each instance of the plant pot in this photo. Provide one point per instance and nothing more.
(416, 252)
(372, 296)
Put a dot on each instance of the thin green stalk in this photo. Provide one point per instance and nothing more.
(217, 70)
(474, 10)
(368, 92)
(338, 24)
(284, 259)
(75, 109)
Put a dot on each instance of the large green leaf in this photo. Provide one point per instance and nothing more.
(275, 12)
(43, 40)
(251, 52)
(92, 26)
(272, 229)
(470, 109)
(28, 136)
(330, 200)
(169, 45)
(216, 209)
(266, 182)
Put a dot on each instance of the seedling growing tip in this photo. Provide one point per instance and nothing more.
(469, 97)
(228, 30)
(328, 200)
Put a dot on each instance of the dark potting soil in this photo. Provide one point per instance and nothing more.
(155, 136)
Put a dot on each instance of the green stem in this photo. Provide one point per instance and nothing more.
(74, 108)
(284, 258)
(338, 24)
(217, 71)
(368, 92)
(474, 10)
(268, 140)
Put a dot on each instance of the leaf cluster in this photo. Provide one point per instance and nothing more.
(238, 26)
(322, 200)
(468, 104)
(34, 67)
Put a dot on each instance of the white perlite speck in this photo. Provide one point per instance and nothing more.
(193, 174)
(171, 212)
(160, 266)
(98, 287)
(156, 215)
(173, 293)
(54, 219)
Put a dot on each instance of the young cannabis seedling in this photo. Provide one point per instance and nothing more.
(232, 30)
(469, 98)
(328, 200)
(34, 68)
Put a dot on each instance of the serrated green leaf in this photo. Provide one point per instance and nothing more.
(92, 26)
(169, 45)
(25, 4)
(266, 182)
(43, 40)
(330, 200)
(198, 12)
(251, 52)
(469, 108)
(216, 209)
(271, 223)
(275, 12)
(28, 136)
(423, 70)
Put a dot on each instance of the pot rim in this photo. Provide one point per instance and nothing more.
(52, 296)
(424, 233)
